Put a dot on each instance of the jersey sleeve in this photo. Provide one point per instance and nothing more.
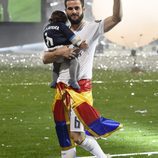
(97, 28)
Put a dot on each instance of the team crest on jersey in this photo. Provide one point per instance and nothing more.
(97, 21)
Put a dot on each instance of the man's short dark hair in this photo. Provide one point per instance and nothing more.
(82, 2)
(58, 16)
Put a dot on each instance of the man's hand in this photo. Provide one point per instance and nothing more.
(51, 55)
(67, 52)
(83, 45)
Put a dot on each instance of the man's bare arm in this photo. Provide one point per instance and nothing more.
(113, 20)
(51, 56)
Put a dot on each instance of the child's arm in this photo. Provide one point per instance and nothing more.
(74, 39)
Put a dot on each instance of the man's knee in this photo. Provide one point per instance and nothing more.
(77, 137)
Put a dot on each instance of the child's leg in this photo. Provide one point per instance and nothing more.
(73, 69)
(74, 64)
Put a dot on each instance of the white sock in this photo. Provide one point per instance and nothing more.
(71, 153)
(91, 145)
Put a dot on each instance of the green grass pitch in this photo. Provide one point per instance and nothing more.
(26, 123)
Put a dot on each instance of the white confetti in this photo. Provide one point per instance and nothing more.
(122, 129)
(9, 146)
(37, 144)
(156, 94)
(141, 111)
(47, 128)
(132, 94)
(46, 138)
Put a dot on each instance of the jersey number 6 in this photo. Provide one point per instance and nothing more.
(49, 40)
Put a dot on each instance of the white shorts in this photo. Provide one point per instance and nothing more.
(75, 124)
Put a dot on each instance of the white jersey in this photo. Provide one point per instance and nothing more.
(90, 33)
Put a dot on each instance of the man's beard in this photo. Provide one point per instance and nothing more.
(77, 21)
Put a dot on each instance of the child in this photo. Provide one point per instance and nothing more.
(56, 34)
